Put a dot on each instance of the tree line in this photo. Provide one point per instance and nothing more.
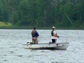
(43, 13)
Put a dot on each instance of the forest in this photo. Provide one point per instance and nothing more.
(42, 13)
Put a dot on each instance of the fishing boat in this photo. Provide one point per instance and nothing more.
(51, 46)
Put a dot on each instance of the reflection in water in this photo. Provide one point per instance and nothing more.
(12, 47)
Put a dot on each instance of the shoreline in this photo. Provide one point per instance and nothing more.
(44, 28)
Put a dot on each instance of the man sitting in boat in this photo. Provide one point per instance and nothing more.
(34, 36)
(54, 35)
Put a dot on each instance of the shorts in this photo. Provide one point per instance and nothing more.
(53, 40)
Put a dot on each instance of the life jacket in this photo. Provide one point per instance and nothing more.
(52, 33)
(33, 33)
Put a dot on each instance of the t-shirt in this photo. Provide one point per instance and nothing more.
(35, 34)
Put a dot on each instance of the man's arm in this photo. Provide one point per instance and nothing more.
(55, 34)
(37, 34)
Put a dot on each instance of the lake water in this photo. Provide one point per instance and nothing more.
(12, 47)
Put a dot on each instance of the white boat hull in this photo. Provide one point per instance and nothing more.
(56, 46)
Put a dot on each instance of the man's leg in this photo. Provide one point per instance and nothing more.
(33, 41)
(53, 40)
(36, 41)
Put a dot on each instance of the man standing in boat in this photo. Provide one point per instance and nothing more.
(35, 36)
(54, 35)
